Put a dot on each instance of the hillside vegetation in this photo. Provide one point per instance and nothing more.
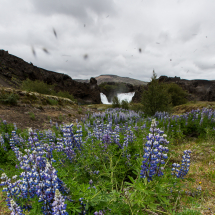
(107, 160)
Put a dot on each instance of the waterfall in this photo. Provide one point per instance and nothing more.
(125, 96)
(104, 99)
(120, 96)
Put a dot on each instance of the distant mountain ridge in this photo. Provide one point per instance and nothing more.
(114, 78)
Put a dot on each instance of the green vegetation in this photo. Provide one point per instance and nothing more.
(32, 116)
(38, 86)
(125, 104)
(8, 98)
(80, 111)
(106, 175)
(52, 102)
(43, 88)
(115, 87)
(162, 96)
(156, 98)
(177, 94)
(115, 102)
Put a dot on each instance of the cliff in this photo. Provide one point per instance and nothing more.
(199, 89)
(14, 70)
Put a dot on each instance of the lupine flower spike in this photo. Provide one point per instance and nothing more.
(155, 153)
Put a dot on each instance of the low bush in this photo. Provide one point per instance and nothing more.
(37, 86)
(43, 88)
(52, 102)
(177, 94)
(115, 102)
(8, 98)
(124, 104)
(65, 94)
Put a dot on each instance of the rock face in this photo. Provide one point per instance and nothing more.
(14, 70)
(200, 90)
(138, 93)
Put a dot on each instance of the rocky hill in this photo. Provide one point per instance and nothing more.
(14, 70)
(199, 90)
(115, 78)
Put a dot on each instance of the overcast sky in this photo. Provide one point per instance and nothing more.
(128, 38)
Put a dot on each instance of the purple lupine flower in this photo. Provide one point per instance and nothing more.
(154, 154)
(58, 206)
(16, 210)
(180, 173)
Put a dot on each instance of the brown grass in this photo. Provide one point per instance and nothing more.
(202, 169)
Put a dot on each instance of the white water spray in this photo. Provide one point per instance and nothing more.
(121, 96)
(125, 96)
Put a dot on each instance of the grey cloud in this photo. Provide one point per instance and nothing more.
(189, 31)
(80, 9)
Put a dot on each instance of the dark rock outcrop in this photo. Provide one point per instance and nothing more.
(138, 93)
(14, 70)
(200, 90)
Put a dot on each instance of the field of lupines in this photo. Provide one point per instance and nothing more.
(112, 162)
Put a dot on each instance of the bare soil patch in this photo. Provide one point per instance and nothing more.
(38, 117)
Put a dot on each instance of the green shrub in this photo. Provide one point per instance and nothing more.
(136, 107)
(8, 98)
(52, 102)
(110, 87)
(115, 102)
(177, 94)
(156, 97)
(124, 104)
(65, 94)
(43, 88)
(37, 86)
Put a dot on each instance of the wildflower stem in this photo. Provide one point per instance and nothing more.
(96, 195)
(176, 201)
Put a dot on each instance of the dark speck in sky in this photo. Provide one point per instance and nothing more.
(157, 43)
(45, 50)
(140, 50)
(33, 51)
(84, 25)
(55, 33)
(170, 59)
(85, 56)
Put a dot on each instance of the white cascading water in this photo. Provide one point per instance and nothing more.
(125, 96)
(104, 99)
(121, 96)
